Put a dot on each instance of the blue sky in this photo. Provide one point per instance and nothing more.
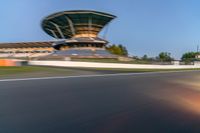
(143, 26)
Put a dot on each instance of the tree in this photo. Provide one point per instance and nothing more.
(165, 56)
(123, 50)
(118, 49)
(189, 56)
(145, 57)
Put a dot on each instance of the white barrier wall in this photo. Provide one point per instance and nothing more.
(108, 65)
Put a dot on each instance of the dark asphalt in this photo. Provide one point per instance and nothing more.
(149, 103)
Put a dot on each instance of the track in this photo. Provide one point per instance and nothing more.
(141, 103)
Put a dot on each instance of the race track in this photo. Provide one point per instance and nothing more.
(124, 103)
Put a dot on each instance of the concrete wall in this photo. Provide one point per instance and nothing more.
(108, 65)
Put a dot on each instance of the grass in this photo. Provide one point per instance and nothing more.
(16, 70)
(35, 71)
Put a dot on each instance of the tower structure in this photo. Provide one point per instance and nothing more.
(77, 32)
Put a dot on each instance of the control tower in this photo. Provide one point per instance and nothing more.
(76, 32)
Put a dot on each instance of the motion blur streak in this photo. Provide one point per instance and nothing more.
(185, 94)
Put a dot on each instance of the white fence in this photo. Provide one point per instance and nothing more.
(108, 65)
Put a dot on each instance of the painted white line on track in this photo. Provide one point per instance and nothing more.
(88, 76)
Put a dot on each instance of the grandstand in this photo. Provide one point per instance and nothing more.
(26, 49)
(75, 33)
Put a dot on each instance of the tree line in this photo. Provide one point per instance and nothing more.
(162, 56)
(166, 56)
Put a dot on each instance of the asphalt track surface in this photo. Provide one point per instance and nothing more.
(124, 103)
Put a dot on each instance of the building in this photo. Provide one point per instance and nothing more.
(197, 56)
(26, 49)
(76, 34)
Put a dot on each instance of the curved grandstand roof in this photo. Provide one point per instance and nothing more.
(67, 24)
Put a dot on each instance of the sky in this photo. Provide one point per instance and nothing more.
(143, 26)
